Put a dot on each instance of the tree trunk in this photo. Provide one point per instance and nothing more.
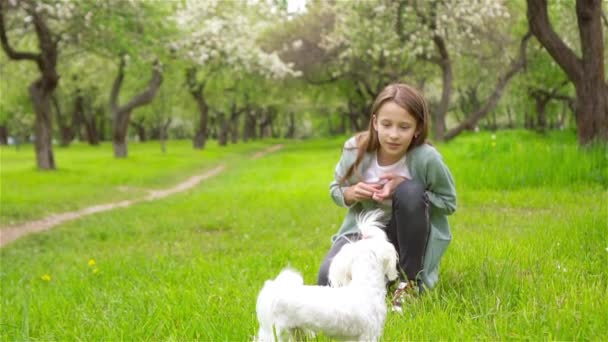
(266, 123)
(586, 73)
(201, 131)
(43, 128)
(223, 125)
(234, 122)
(528, 120)
(200, 138)
(561, 119)
(119, 135)
(249, 126)
(66, 129)
(90, 123)
(141, 133)
(140, 130)
(121, 114)
(197, 89)
(541, 118)
(164, 127)
(119, 144)
(3, 135)
(78, 118)
(42, 89)
(510, 121)
(353, 116)
(291, 126)
(100, 116)
(445, 64)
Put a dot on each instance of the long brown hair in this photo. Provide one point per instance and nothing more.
(406, 97)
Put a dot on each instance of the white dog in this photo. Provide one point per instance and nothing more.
(356, 311)
(372, 236)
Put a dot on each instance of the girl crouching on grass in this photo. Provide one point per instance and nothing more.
(393, 168)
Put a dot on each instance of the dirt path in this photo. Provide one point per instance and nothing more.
(12, 233)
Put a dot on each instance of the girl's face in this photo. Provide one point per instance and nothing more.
(396, 128)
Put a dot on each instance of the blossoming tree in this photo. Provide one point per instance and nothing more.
(222, 37)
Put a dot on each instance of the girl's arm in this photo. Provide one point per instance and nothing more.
(336, 190)
(441, 190)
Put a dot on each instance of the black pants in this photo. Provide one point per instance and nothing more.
(408, 230)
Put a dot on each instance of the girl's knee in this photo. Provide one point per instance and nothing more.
(409, 194)
(322, 278)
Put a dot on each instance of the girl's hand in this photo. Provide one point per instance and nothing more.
(387, 191)
(360, 191)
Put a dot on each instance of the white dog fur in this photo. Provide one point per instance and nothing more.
(354, 311)
(370, 226)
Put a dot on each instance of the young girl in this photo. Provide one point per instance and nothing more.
(392, 167)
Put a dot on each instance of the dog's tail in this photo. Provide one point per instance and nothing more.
(370, 224)
(266, 301)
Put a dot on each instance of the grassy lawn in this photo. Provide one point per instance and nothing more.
(528, 259)
(90, 175)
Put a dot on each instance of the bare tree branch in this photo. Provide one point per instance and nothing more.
(117, 84)
(517, 65)
(147, 95)
(8, 49)
(541, 27)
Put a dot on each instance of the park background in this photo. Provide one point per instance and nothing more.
(110, 101)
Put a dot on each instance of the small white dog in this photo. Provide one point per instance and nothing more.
(355, 311)
(372, 237)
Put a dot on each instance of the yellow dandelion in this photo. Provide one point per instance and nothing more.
(92, 262)
(46, 277)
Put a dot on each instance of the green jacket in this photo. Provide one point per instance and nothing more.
(426, 167)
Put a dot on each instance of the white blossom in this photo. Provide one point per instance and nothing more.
(225, 32)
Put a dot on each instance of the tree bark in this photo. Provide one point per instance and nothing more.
(164, 127)
(141, 130)
(234, 121)
(3, 135)
(66, 126)
(266, 122)
(291, 126)
(586, 73)
(353, 116)
(223, 127)
(541, 117)
(90, 124)
(197, 89)
(445, 64)
(41, 89)
(121, 114)
(249, 126)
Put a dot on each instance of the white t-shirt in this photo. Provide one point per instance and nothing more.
(374, 171)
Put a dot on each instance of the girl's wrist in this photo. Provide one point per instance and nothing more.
(348, 198)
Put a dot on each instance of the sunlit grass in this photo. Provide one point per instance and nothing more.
(528, 260)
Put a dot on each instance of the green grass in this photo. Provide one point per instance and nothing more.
(528, 259)
(88, 175)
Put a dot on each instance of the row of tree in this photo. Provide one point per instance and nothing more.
(245, 69)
